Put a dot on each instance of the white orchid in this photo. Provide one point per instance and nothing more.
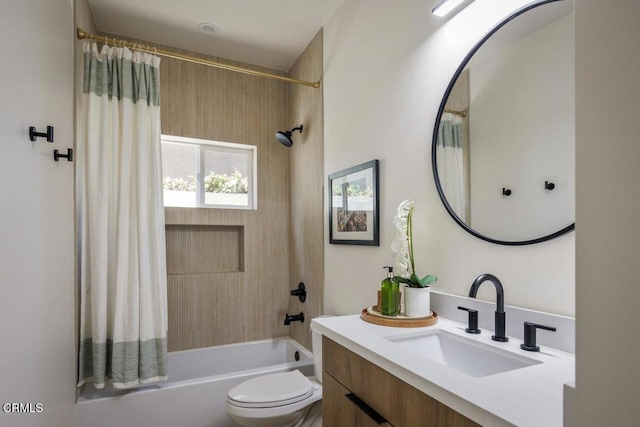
(400, 243)
(402, 248)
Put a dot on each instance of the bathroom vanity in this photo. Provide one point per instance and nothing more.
(350, 380)
(436, 376)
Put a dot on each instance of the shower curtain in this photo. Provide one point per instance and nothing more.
(123, 301)
(451, 169)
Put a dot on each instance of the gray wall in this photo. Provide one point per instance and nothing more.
(608, 208)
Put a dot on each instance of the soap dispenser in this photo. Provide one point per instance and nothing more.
(390, 298)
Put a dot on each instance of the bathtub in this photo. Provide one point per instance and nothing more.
(196, 392)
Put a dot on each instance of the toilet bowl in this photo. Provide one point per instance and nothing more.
(284, 399)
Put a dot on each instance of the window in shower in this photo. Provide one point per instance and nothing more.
(208, 174)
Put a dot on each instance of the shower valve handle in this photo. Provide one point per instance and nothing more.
(301, 292)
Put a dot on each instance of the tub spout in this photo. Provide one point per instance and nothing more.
(295, 318)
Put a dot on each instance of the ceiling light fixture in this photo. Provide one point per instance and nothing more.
(208, 29)
(446, 6)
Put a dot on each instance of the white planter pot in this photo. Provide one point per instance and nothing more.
(417, 302)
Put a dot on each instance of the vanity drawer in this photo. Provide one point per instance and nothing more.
(341, 409)
(398, 402)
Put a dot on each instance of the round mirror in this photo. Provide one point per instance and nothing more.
(503, 144)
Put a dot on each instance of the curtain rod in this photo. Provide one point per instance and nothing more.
(175, 55)
(462, 113)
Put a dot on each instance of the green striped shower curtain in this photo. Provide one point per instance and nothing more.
(451, 169)
(123, 301)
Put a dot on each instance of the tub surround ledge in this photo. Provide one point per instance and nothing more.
(530, 396)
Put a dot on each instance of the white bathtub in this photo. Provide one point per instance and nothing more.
(196, 392)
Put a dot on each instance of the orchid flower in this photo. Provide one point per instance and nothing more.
(402, 248)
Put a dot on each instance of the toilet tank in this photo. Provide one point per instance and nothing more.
(316, 347)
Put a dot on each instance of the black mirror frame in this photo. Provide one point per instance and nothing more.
(434, 162)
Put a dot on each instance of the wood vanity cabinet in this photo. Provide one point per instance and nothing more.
(353, 386)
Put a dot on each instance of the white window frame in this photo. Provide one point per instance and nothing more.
(226, 147)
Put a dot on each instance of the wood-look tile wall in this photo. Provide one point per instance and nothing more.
(231, 284)
(196, 249)
(307, 178)
(228, 269)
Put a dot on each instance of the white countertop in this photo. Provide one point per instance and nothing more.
(530, 396)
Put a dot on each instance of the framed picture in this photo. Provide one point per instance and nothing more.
(353, 206)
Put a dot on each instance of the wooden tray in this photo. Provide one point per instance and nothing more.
(399, 321)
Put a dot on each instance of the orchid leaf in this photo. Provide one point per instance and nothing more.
(415, 280)
(427, 280)
(402, 279)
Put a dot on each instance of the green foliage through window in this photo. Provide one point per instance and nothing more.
(213, 183)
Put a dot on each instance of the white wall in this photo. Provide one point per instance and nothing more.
(607, 209)
(387, 65)
(37, 346)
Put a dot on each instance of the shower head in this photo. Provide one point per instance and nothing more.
(285, 137)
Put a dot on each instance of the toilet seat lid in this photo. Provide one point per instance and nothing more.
(271, 390)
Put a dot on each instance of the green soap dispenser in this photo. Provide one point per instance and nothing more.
(390, 298)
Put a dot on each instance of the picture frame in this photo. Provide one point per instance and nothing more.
(354, 205)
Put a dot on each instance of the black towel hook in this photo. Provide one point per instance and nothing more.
(549, 185)
(68, 156)
(506, 191)
(48, 134)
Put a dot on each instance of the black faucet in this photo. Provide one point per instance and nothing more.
(500, 326)
(473, 320)
(530, 335)
(294, 318)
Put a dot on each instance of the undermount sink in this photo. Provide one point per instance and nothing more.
(464, 355)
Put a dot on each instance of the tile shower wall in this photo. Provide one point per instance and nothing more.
(306, 237)
(228, 270)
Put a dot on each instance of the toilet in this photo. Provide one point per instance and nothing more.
(284, 399)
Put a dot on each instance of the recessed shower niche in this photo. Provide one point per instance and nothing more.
(202, 249)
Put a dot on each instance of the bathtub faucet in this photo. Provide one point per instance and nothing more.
(295, 318)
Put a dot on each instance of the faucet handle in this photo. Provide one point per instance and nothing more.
(473, 320)
(530, 335)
